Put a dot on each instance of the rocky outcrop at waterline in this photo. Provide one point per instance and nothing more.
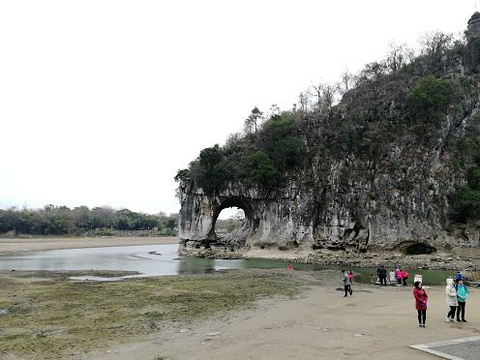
(334, 231)
(373, 174)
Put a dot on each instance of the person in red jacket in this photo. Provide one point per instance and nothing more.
(405, 276)
(421, 299)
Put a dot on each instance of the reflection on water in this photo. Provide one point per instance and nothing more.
(127, 258)
(157, 260)
(148, 260)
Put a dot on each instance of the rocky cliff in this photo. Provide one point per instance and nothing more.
(375, 172)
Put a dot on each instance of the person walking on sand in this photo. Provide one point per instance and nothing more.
(462, 296)
(346, 283)
(451, 299)
(421, 299)
(350, 277)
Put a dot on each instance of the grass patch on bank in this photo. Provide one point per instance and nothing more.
(55, 317)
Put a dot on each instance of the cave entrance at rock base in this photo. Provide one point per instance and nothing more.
(419, 249)
(229, 220)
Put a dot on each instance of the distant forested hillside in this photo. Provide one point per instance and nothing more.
(61, 220)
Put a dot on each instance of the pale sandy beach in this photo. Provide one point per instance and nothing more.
(11, 246)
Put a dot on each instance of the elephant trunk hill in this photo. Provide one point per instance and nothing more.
(392, 168)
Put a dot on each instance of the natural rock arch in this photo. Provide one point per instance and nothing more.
(297, 218)
(238, 236)
(268, 221)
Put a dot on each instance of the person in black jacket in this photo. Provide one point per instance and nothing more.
(382, 275)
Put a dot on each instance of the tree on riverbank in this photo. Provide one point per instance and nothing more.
(61, 220)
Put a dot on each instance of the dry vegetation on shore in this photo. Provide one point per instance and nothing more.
(53, 317)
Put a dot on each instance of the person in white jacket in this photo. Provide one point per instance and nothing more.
(451, 299)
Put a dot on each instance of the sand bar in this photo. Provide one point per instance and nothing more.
(13, 246)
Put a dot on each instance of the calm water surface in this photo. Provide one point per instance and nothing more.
(165, 261)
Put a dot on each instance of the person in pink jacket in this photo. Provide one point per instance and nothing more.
(398, 275)
(421, 299)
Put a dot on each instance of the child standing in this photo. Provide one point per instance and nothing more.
(346, 283)
(392, 277)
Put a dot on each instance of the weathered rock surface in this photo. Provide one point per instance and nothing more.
(376, 210)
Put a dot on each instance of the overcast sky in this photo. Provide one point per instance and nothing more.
(101, 102)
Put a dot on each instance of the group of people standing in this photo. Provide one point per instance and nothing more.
(398, 276)
(456, 294)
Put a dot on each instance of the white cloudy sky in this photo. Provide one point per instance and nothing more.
(101, 102)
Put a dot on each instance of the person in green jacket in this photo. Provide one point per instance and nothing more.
(462, 296)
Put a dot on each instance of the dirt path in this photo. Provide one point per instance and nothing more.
(320, 324)
(12, 246)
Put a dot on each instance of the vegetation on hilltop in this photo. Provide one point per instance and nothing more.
(263, 157)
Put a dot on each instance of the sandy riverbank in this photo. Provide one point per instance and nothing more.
(319, 324)
(12, 246)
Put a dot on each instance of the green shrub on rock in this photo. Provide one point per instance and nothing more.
(428, 100)
(465, 202)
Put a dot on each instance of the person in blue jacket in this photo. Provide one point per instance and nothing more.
(462, 296)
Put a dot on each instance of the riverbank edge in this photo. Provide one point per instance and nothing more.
(436, 261)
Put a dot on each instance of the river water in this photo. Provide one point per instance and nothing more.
(158, 260)
(148, 260)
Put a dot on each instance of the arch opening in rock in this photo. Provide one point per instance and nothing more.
(419, 249)
(235, 229)
(229, 220)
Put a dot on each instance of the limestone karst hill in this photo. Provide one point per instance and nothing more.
(393, 165)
